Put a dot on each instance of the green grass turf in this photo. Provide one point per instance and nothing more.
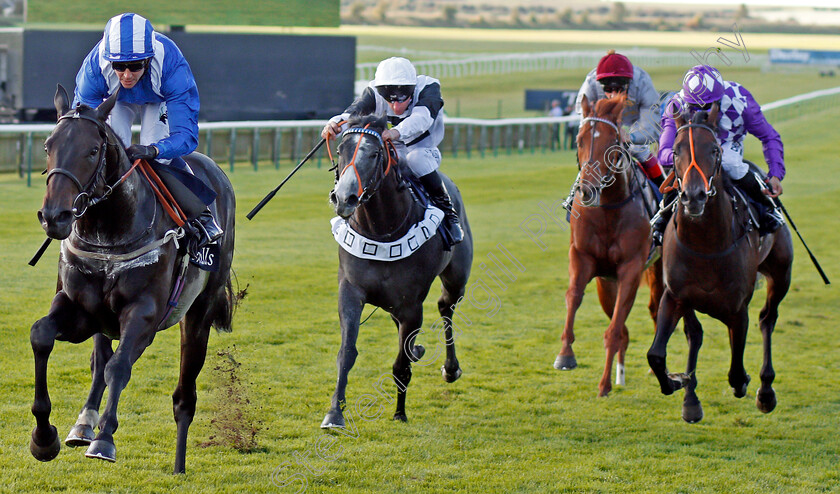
(511, 424)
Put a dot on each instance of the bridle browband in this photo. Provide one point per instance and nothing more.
(85, 198)
(708, 184)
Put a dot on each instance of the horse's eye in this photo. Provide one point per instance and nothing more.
(46, 150)
(94, 151)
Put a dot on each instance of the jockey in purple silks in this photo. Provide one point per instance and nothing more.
(739, 114)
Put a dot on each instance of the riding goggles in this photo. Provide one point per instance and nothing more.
(395, 94)
(615, 84)
(132, 66)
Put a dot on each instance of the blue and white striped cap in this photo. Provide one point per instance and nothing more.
(128, 37)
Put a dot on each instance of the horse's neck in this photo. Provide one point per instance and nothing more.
(386, 213)
(715, 226)
(126, 214)
(621, 188)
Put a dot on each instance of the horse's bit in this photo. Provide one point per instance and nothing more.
(85, 198)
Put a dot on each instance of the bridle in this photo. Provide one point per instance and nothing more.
(607, 179)
(708, 183)
(383, 165)
(86, 197)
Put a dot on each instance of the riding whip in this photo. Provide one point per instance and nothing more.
(273, 192)
(40, 252)
(778, 202)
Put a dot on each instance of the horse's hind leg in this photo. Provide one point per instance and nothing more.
(692, 411)
(66, 321)
(657, 287)
(410, 321)
(350, 305)
(776, 268)
(195, 331)
(447, 302)
(82, 433)
(616, 338)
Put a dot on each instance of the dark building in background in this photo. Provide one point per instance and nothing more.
(239, 76)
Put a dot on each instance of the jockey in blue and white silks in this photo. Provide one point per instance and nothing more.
(155, 85)
(412, 104)
(739, 114)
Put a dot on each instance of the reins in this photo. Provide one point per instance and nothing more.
(589, 162)
(708, 186)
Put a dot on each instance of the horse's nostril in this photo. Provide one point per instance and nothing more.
(333, 199)
(40, 217)
(352, 201)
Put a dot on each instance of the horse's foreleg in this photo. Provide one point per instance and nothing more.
(136, 334)
(350, 304)
(692, 409)
(580, 272)
(617, 338)
(777, 270)
(66, 321)
(195, 330)
(669, 313)
(82, 432)
(738, 377)
(409, 322)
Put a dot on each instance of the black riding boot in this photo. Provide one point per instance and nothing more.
(208, 230)
(660, 219)
(440, 197)
(769, 219)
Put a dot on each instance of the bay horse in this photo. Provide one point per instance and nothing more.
(371, 198)
(711, 257)
(610, 235)
(117, 274)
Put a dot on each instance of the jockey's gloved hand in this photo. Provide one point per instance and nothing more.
(140, 152)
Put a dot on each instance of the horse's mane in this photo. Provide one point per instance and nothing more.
(606, 107)
(376, 123)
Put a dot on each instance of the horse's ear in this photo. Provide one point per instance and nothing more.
(585, 107)
(61, 101)
(679, 120)
(712, 118)
(104, 109)
(619, 107)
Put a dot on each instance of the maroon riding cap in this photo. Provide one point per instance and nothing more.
(614, 65)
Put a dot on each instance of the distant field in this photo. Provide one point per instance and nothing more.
(511, 424)
(503, 39)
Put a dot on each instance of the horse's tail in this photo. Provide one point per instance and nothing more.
(225, 306)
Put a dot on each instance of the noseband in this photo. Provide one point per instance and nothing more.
(365, 192)
(707, 182)
(85, 198)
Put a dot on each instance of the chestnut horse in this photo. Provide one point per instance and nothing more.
(711, 255)
(610, 235)
(119, 268)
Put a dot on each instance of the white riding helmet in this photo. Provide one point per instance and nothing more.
(395, 71)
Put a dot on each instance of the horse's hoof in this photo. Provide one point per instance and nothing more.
(80, 435)
(333, 420)
(102, 450)
(565, 362)
(450, 378)
(741, 391)
(51, 446)
(766, 402)
(692, 413)
(418, 351)
(400, 417)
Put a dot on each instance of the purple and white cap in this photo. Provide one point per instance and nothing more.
(128, 37)
(701, 85)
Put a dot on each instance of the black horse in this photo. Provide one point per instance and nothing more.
(120, 267)
(377, 205)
